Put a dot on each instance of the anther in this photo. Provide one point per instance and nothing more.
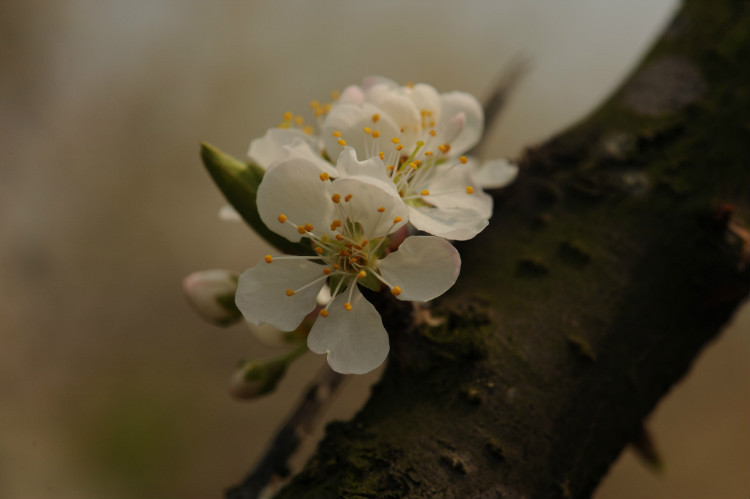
(443, 148)
(327, 271)
(309, 228)
(428, 153)
(375, 134)
(335, 266)
(367, 130)
(381, 209)
(381, 155)
(469, 189)
(433, 132)
(342, 142)
(301, 229)
(395, 140)
(396, 290)
(361, 274)
(299, 120)
(399, 147)
(319, 250)
(307, 129)
(336, 198)
(314, 104)
(339, 237)
(375, 117)
(336, 134)
(463, 160)
(414, 165)
(282, 218)
(348, 306)
(424, 192)
(335, 95)
(268, 258)
(397, 220)
(324, 313)
(324, 176)
(348, 197)
(290, 292)
(288, 116)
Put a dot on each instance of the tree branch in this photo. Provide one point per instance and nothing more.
(608, 265)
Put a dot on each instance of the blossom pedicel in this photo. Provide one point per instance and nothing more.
(348, 221)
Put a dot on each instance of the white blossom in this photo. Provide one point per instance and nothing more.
(348, 222)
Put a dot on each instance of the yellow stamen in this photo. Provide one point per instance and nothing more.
(433, 132)
(424, 192)
(367, 130)
(324, 313)
(327, 271)
(339, 237)
(336, 198)
(361, 274)
(324, 176)
(395, 140)
(381, 209)
(381, 155)
(268, 258)
(469, 189)
(335, 95)
(309, 228)
(335, 266)
(314, 104)
(396, 290)
(288, 116)
(307, 129)
(414, 165)
(336, 134)
(290, 292)
(299, 120)
(463, 160)
(319, 250)
(337, 223)
(375, 117)
(375, 134)
(399, 147)
(348, 197)
(348, 306)
(397, 220)
(282, 218)
(342, 142)
(301, 229)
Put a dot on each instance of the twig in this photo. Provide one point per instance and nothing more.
(274, 463)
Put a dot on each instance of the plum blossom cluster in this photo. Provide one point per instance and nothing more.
(387, 158)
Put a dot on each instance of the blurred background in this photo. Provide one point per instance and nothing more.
(110, 386)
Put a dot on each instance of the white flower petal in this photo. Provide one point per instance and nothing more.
(293, 188)
(355, 340)
(351, 95)
(458, 224)
(229, 214)
(424, 267)
(425, 97)
(457, 102)
(301, 149)
(350, 120)
(405, 115)
(371, 81)
(348, 166)
(368, 195)
(266, 150)
(261, 292)
(449, 185)
(494, 173)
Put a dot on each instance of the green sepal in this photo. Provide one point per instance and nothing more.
(239, 183)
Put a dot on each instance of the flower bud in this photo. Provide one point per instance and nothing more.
(211, 294)
(256, 378)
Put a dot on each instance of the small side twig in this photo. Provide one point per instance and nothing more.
(496, 101)
(275, 461)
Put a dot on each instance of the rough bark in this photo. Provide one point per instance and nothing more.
(608, 265)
